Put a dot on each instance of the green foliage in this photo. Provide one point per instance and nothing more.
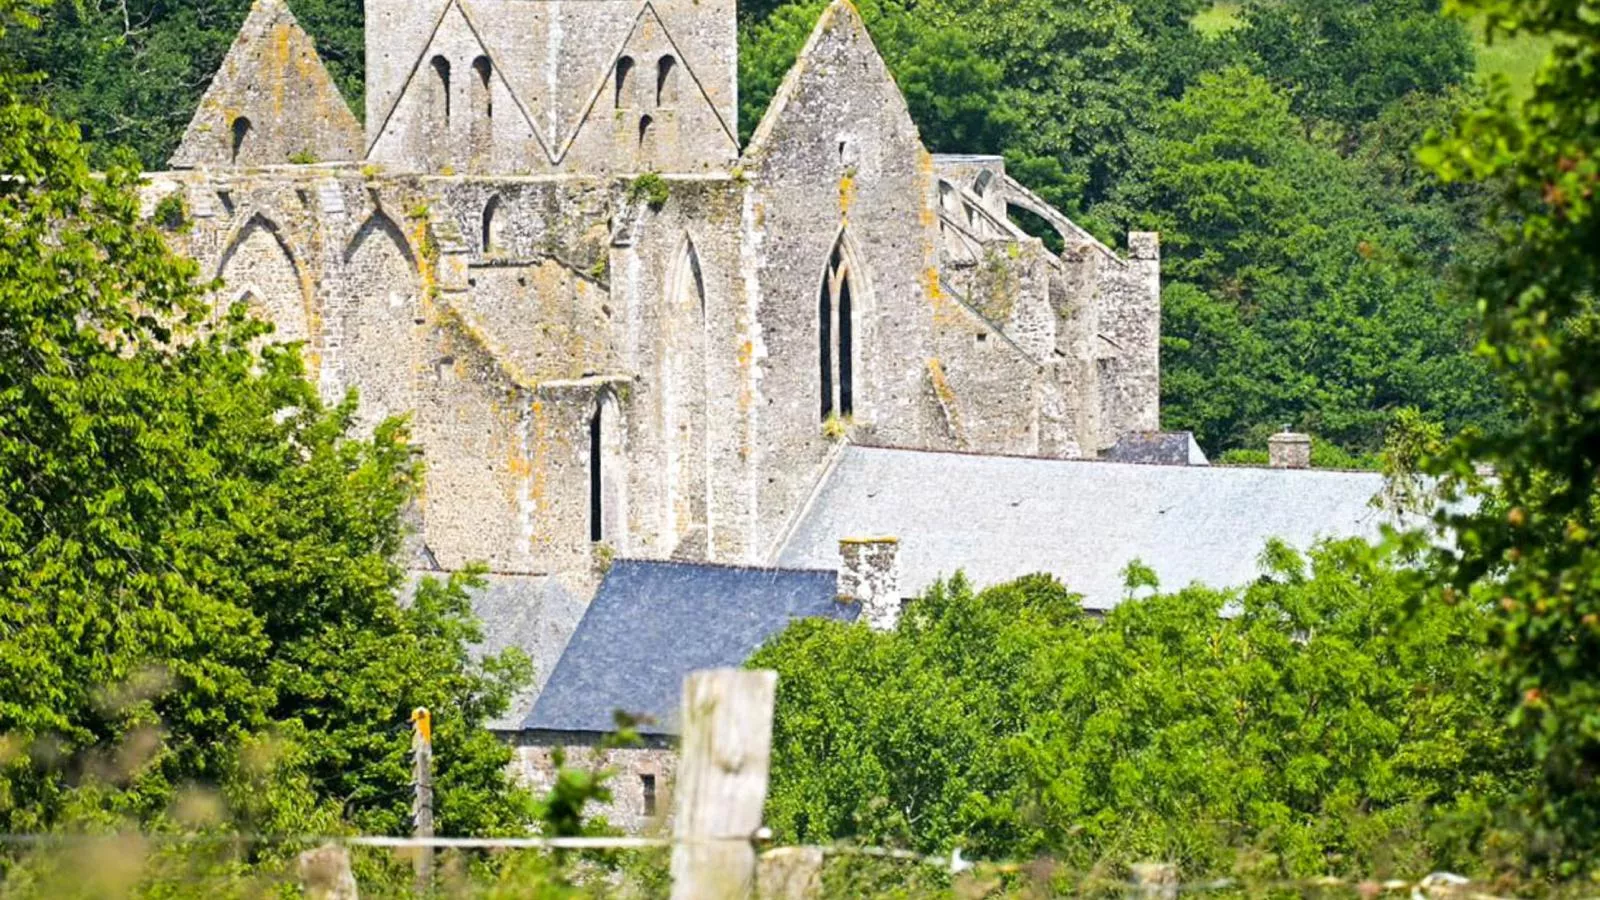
(171, 212)
(1316, 726)
(1293, 291)
(1343, 61)
(650, 188)
(1533, 545)
(131, 74)
(1323, 456)
(197, 575)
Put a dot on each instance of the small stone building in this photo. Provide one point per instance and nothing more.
(649, 625)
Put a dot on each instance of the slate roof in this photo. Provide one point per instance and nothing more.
(536, 613)
(651, 623)
(999, 518)
(1163, 448)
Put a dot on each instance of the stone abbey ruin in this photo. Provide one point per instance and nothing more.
(676, 391)
(615, 330)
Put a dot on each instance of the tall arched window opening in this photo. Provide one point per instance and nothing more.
(493, 227)
(241, 131)
(683, 391)
(441, 87)
(597, 508)
(483, 69)
(666, 81)
(835, 336)
(607, 474)
(624, 70)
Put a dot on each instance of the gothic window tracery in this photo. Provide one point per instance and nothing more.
(835, 330)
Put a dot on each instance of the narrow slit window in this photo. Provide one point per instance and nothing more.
(624, 70)
(645, 123)
(241, 132)
(825, 346)
(666, 81)
(648, 784)
(596, 479)
(441, 77)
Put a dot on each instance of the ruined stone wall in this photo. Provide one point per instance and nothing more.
(520, 87)
(675, 275)
(534, 767)
(837, 165)
(501, 359)
(272, 102)
(1128, 301)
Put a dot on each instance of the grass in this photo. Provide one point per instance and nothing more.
(1515, 57)
(1222, 16)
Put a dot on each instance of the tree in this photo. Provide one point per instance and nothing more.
(130, 74)
(1295, 288)
(1314, 723)
(1533, 544)
(197, 560)
(1344, 61)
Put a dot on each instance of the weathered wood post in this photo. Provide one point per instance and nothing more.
(422, 802)
(726, 748)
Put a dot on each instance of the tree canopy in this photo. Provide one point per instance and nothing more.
(1307, 718)
(1534, 548)
(198, 581)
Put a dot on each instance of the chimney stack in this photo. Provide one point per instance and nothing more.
(869, 574)
(1289, 450)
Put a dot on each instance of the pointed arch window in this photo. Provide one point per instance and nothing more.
(666, 81)
(241, 132)
(624, 71)
(835, 330)
(441, 87)
(493, 227)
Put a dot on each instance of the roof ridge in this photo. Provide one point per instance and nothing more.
(742, 567)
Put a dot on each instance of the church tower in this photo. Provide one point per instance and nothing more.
(519, 87)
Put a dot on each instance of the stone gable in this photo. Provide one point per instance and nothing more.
(272, 102)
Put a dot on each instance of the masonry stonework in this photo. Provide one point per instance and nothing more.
(614, 331)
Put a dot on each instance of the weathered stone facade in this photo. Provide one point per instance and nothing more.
(640, 783)
(615, 331)
(659, 365)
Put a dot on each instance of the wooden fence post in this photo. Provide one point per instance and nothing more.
(422, 801)
(725, 751)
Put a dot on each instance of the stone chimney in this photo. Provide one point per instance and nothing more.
(869, 574)
(1289, 450)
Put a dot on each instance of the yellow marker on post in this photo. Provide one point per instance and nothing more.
(422, 801)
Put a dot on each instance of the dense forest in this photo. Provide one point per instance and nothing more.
(1307, 257)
